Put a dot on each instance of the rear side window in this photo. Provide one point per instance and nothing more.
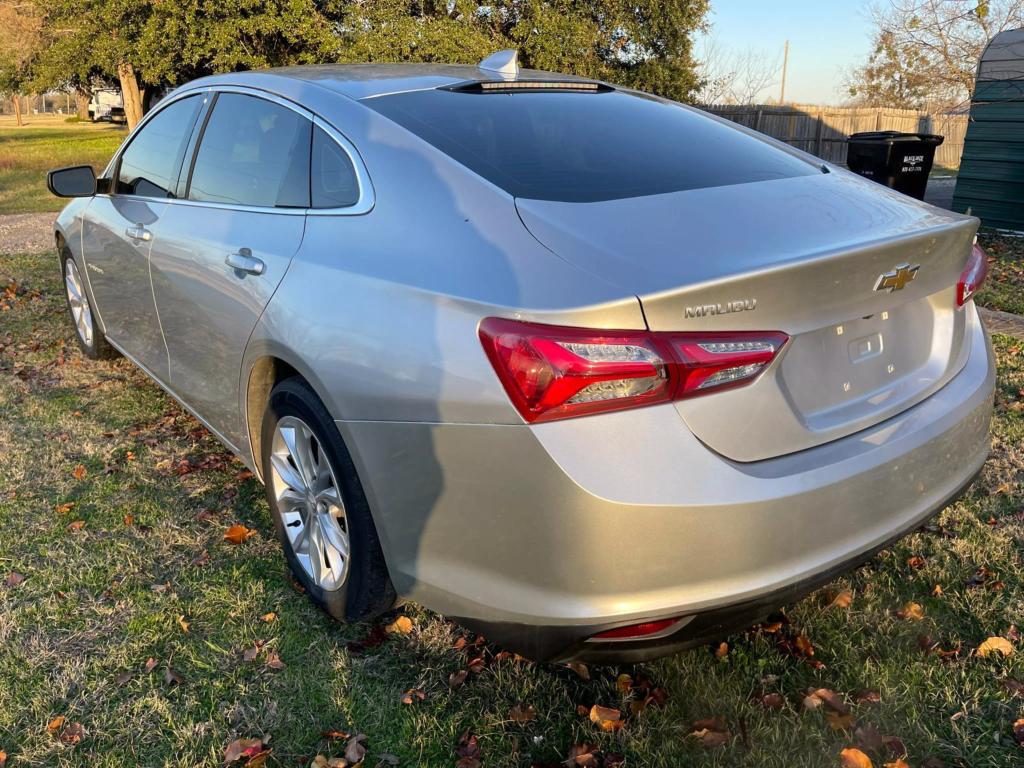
(333, 179)
(253, 152)
(149, 166)
(586, 146)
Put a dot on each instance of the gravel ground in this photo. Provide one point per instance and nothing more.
(26, 232)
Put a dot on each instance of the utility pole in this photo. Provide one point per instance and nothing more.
(785, 66)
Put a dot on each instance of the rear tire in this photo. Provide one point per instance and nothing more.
(319, 507)
(87, 331)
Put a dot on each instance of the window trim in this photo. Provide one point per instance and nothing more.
(364, 203)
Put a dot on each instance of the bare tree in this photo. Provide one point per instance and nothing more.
(926, 51)
(733, 76)
(20, 38)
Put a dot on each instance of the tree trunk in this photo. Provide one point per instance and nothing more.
(82, 99)
(17, 109)
(131, 94)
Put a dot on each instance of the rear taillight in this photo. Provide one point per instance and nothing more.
(973, 276)
(552, 372)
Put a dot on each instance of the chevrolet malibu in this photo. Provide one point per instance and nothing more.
(586, 370)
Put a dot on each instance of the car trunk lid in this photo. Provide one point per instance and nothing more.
(801, 255)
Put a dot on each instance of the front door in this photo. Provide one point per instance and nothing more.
(219, 256)
(117, 233)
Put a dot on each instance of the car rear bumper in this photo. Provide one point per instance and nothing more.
(542, 536)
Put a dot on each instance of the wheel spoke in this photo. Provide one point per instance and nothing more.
(289, 475)
(331, 498)
(316, 549)
(336, 542)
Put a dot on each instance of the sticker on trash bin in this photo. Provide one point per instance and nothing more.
(912, 163)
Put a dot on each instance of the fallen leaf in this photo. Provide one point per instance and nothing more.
(838, 722)
(522, 713)
(269, 617)
(3, 758)
(912, 611)
(1018, 732)
(868, 737)
(250, 654)
(14, 579)
(238, 533)
(354, 749)
(78, 472)
(335, 735)
(72, 734)
(624, 683)
(77, 525)
(63, 509)
(579, 668)
(150, 665)
(172, 677)
(400, 626)
(867, 696)
(828, 697)
(129, 520)
(259, 759)
(240, 748)
(274, 660)
(843, 600)
(477, 665)
(711, 733)
(456, 679)
(895, 747)
(773, 700)
(122, 679)
(995, 645)
(851, 757)
(56, 724)
(916, 562)
(1013, 686)
(722, 650)
(606, 718)
(804, 645)
(412, 695)
(201, 559)
(937, 591)
(183, 624)
(898, 763)
(468, 746)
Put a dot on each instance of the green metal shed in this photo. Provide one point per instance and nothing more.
(991, 180)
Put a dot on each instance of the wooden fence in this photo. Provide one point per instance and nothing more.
(823, 131)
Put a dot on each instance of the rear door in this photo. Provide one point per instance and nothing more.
(117, 232)
(220, 253)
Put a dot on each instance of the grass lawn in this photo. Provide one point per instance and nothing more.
(28, 152)
(124, 611)
(1004, 289)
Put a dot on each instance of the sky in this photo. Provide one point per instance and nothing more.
(825, 37)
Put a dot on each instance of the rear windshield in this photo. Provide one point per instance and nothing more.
(585, 147)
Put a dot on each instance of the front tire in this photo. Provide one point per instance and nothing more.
(83, 320)
(320, 511)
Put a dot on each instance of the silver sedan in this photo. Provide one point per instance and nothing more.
(595, 373)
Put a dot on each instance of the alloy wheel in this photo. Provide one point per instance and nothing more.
(81, 313)
(309, 502)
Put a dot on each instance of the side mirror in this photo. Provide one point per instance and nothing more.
(76, 181)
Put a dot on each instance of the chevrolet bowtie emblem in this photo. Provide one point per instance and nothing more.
(897, 279)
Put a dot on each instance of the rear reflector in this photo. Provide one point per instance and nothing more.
(552, 372)
(973, 276)
(636, 631)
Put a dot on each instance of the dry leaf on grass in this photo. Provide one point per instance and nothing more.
(238, 533)
(72, 734)
(242, 748)
(78, 472)
(852, 757)
(400, 626)
(412, 695)
(606, 718)
(63, 509)
(14, 579)
(77, 525)
(268, 617)
(150, 664)
(579, 668)
(842, 600)
(521, 713)
(456, 679)
(354, 749)
(56, 724)
(912, 611)
(183, 624)
(711, 732)
(995, 645)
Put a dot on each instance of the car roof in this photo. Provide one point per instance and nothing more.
(360, 81)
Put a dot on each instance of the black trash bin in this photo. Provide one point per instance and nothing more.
(898, 160)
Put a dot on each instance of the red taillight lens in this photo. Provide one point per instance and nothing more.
(551, 372)
(722, 360)
(635, 631)
(973, 276)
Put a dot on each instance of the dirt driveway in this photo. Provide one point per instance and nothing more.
(26, 232)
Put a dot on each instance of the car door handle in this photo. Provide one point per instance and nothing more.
(139, 232)
(244, 261)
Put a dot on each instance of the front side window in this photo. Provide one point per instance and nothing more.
(253, 152)
(149, 166)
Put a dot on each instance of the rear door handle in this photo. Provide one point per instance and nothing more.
(244, 261)
(139, 232)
